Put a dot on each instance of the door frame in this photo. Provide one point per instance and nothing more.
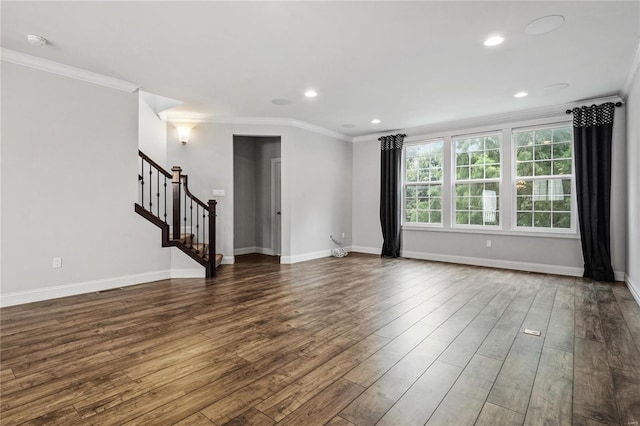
(275, 190)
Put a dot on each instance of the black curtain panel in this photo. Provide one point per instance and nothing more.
(592, 132)
(390, 195)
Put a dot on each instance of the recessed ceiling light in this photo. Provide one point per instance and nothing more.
(375, 121)
(520, 95)
(281, 101)
(543, 25)
(311, 93)
(36, 40)
(348, 126)
(493, 40)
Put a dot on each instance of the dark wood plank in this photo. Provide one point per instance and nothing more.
(421, 400)
(369, 407)
(551, 400)
(324, 406)
(465, 399)
(197, 419)
(493, 415)
(627, 391)
(593, 392)
(251, 417)
(353, 341)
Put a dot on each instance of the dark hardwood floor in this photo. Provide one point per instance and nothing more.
(352, 341)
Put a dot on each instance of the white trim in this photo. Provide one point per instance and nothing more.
(491, 263)
(250, 250)
(228, 260)
(276, 211)
(487, 122)
(304, 257)
(573, 235)
(633, 287)
(188, 273)
(366, 250)
(46, 65)
(635, 63)
(29, 296)
(256, 121)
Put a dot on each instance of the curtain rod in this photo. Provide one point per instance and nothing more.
(569, 111)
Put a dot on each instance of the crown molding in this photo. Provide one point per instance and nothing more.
(254, 121)
(624, 93)
(491, 120)
(46, 65)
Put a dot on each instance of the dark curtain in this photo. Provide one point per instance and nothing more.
(390, 195)
(592, 131)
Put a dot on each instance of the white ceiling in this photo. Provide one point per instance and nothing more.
(406, 63)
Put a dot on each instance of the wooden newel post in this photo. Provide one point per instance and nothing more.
(212, 237)
(175, 184)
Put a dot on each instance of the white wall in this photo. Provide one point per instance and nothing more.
(633, 186)
(69, 165)
(152, 131)
(316, 183)
(533, 253)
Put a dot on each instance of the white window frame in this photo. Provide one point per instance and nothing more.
(454, 180)
(404, 184)
(572, 230)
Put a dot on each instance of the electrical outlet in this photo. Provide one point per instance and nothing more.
(343, 235)
(488, 243)
(218, 193)
(57, 262)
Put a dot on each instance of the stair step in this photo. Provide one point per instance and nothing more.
(186, 238)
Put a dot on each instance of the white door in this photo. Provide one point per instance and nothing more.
(276, 215)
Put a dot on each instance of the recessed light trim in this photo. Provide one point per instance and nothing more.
(520, 95)
(36, 40)
(375, 121)
(544, 25)
(311, 93)
(494, 40)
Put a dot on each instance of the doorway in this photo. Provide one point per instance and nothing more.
(257, 198)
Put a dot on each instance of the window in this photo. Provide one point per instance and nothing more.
(477, 180)
(423, 183)
(543, 178)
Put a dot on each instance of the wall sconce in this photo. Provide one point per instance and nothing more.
(183, 133)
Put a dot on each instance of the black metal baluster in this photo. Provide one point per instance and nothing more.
(197, 227)
(142, 180)
(185, 209)
(150, 189)
(158, 192)
(191, 223)
(165, 199)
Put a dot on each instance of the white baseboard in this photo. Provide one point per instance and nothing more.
(188, 273)
(304, 257)
(228, 260)
(366, 250)
(633, 288)
(492, 263)
(37, 295)
(250, 250)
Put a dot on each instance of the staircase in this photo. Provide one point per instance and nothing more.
(186, 222)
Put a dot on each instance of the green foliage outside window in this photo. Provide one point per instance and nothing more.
(423, 182)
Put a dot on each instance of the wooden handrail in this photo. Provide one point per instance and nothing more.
(185, 179)
(154, 164)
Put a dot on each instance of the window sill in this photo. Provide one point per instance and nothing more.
(571, 235)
